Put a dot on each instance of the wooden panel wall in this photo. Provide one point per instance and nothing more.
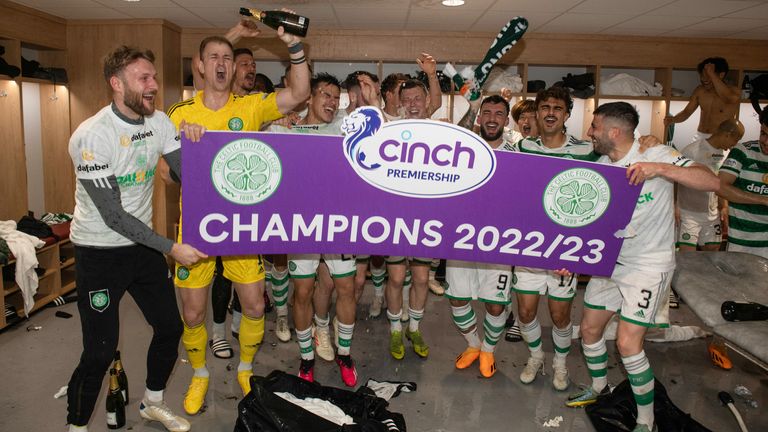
(534, 48)
(171, 82)
(13, 165)
(12, 54)
(89, 42)
(166, 199)
(32, 26)
(58, 175)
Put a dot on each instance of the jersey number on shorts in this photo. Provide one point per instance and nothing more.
(646, 299)
(502, 282)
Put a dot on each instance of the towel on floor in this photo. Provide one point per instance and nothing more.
(23, 248)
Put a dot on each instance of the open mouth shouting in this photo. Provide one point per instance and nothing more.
(550, 121)
(221, 74)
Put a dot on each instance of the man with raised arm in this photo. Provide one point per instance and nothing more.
(718, 101)
(639, 285)
(312, 303)
(217, 108)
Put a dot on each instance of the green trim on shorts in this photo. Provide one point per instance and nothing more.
(303, 276)
(642, 324)
(711, 243)
(561, 299)
(458, 298)
(678, 244)
(420, 262)
(494, 301)
(387, 261)
(519, 291)
(343, 275)
(595, 307)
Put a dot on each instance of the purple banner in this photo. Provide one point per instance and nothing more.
(399, 194)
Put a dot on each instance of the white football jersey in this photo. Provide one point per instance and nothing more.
(649, 239)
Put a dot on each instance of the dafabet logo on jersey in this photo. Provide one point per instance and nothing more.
(576, 197)
(246, 171)
(416, 158)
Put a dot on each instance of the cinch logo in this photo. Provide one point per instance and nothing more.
(576, 197)
(91, 168)
(416, 158)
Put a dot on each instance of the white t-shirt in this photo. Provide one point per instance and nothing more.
(333, 128)
(388, 117)
(695, 201)
(512, 135)
(650, 236)
(572, 148)
(106, 145)
(506, 146)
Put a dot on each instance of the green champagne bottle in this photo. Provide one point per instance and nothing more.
(293, 24)
(122, 378)
(115, 403)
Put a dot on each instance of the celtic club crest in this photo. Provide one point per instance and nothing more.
(576, 197)
(99, 300)
(246, 171)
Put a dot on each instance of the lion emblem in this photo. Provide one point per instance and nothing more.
(361, 124)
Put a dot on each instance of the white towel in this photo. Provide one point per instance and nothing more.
(23, 246)
(319, 407)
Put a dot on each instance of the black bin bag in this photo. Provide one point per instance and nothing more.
(617, 411)
(262, 410)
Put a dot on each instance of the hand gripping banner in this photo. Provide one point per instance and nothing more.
(405, 188)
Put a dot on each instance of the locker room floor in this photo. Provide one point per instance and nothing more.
(35, 364)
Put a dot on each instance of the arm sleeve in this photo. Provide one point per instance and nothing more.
(171, 146)
(264, 108)
(667, 154)
(173, 159)
(735, 161)
(108, 203)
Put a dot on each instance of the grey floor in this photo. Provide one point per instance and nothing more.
(35, 364)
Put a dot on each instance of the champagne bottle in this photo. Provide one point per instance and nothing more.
(122, 378)
(115, 403)
(294, 24)
(744, 311)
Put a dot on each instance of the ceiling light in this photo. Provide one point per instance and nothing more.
(453, 2)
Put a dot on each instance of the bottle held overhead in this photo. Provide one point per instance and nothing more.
(292, 23)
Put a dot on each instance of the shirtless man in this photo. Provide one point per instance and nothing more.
(718, 101)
